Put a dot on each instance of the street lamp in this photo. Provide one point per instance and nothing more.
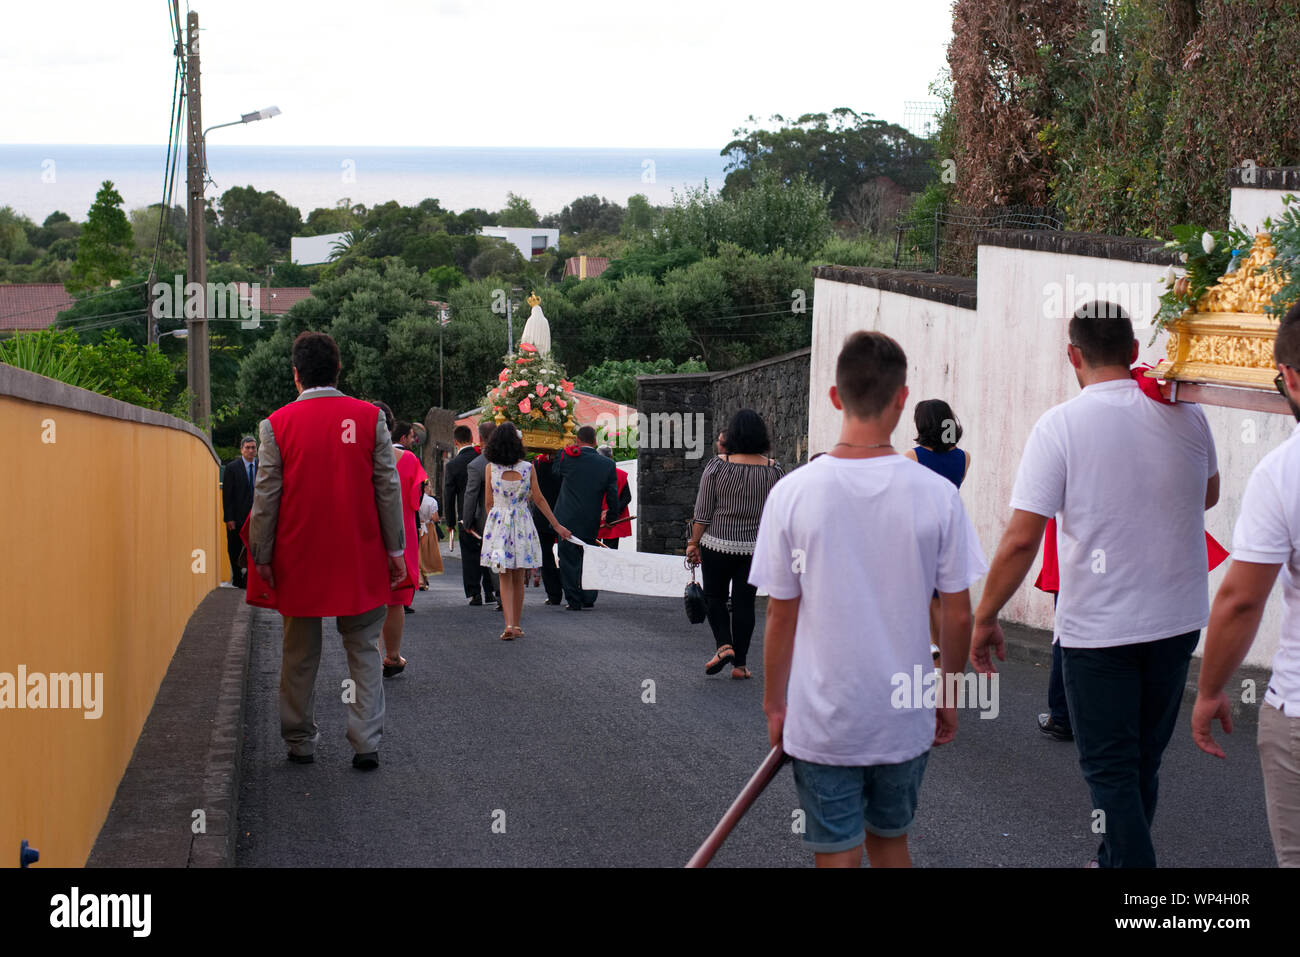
(264, 114)
(178, 333)
(196, 363)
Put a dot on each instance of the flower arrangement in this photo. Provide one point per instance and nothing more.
(532, 392)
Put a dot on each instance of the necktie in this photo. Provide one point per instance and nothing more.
(250, 474)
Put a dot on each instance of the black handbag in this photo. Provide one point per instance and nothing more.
(697, 609)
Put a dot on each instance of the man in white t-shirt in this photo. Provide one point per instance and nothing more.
(1267, 538)
(1128, 480)
(850, 548)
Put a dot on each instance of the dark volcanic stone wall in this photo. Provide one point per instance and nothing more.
(667, 478)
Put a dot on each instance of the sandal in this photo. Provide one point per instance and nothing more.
(508, 635)
(394, 668)
(719, 660)
(519, 632)
(741, 672)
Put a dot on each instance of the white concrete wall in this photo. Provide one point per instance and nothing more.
(521, 237)
(1249, 206)
(1002, 367)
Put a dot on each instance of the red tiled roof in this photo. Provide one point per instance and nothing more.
(276, 302)
(32, 305)
(590, 409)
(595, 266)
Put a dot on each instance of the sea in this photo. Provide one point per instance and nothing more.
(36, 180)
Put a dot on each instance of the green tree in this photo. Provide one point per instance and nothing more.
(615, 379)
(141, 376)
(518, 212)
(244, 209)
(839, 151)
(104, 250)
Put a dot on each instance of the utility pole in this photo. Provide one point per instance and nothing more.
(197, 364)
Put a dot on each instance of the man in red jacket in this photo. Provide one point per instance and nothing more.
(326, 538)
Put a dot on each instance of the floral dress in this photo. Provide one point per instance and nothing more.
(509, 535)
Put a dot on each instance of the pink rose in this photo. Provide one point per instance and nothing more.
(527, 347)
(568, 386)
(505, 374)
(546, 406)
(563, 404)
(541, 390)
(525, 407)
(520, 384)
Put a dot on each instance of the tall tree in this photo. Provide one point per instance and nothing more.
(104, 249)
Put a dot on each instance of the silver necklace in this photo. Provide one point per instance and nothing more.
(882, 445)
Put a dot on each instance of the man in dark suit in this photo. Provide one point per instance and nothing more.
(544, 466)
(588, 486)
(473, 519)
(236, 502)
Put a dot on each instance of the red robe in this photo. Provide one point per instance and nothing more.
(622, 527)
(1049, 576)
(411, 474)
(329, 557)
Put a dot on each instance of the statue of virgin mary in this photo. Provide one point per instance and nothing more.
(537, 330)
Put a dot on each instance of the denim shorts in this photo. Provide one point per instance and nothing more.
(842, 804)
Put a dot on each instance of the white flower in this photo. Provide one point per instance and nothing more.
(1170, 277)
(1207, 242)
(1183, 257)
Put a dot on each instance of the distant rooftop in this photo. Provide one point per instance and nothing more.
(32, 305)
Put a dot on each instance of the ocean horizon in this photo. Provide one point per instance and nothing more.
(37, 179)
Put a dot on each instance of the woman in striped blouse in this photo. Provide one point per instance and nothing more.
(732, 492)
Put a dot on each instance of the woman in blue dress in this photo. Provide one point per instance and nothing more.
(510, 542)
(937, 435)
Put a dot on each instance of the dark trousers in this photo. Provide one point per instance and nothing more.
(477, 577)
(727, 576)
(571, 576)
(1124, 701)
(235, 548)
(1057, 703)
(550, 570)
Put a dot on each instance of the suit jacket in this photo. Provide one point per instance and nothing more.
(326, 538)
(236, 493)
(453, 485)
(473, 509)
(588, 486)
(549, 484)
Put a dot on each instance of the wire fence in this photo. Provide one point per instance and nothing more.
(947, 245)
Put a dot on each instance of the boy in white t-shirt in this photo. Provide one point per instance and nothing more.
(1266, 539)
(850, 548)
(1128, 481)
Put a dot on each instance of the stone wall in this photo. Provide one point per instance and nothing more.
(668, 478)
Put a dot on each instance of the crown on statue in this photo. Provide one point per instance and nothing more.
(534, 300)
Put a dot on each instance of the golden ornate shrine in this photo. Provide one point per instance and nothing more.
(1226, 338)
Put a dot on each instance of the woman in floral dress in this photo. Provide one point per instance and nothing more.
(510, 542)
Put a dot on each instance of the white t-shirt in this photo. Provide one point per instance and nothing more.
(863, 543)
(1125, 478)
(1268, 533)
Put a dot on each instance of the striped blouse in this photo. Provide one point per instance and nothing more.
(730, 502)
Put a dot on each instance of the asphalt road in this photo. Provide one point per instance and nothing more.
(542, 752)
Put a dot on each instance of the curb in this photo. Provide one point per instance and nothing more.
(187, 757)
(216, 847)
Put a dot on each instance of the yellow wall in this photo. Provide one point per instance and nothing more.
(97, 531)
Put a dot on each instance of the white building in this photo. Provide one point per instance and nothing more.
(311, 250)
(529, 240)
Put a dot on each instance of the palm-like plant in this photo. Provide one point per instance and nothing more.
(54, 355)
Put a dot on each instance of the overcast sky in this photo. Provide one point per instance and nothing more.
(660, 73)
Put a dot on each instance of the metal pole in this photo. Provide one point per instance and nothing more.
(936, 240)
(441, 397)
(197, 341)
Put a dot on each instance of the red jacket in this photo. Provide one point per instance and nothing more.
(329, 556)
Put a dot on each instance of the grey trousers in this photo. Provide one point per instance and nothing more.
(302, 638)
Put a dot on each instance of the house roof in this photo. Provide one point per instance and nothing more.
(595, 266)
(275, 302)
(590, 409)
(32, 305)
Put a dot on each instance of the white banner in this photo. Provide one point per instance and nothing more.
(634, 573)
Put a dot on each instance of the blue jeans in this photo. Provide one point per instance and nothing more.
(1057, 703)
(1124, 701)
